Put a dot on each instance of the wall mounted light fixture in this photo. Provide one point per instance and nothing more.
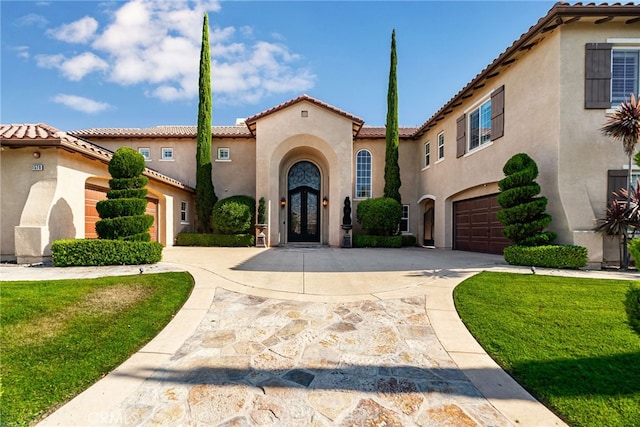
(325, 201)
(36, 154)
(283, 202)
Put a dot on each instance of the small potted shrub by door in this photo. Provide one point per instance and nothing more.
(261, 224)
(346, 223)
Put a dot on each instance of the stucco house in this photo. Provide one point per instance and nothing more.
(547, 95)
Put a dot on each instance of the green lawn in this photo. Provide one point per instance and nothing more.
(565, 340)
(58, 337)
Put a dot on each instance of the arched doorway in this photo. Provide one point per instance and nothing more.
(303, 183)
(428, 227)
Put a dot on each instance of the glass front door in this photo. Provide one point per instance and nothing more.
(304, 203)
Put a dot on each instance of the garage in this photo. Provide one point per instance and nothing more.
(476, 226)
(93, 194)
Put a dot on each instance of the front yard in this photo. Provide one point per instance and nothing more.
(59, 337)
(566, 340)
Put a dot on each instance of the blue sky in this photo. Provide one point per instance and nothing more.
(82, 64)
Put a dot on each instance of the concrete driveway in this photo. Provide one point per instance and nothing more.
(307, 336)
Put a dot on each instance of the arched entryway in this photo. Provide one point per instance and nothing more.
(303, 182)
(428, 239)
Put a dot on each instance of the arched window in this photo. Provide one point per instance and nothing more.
(363, 174)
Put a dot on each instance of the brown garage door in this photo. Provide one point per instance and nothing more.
(476, 227)
(93, 194)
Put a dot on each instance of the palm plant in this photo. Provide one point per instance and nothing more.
(624, 125)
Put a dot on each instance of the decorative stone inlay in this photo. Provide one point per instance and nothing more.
(210, 404)
(449, 415)
(370, 413)
(257, 361)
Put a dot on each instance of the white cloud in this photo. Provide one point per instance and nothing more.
(157, 44)
(80, 103)
(32, 19)
(80, 31)
(21, 51)
(74, 68)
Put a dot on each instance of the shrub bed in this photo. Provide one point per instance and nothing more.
(632, 307)
(78, 252)
(367, 241)
(234, 215)
(224, 240)
(553, 256)
(379, 216)
(408, 240)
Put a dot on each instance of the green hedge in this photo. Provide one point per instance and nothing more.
(367, 241)
(380, 216)
(553, 256)
(224, 240)
(408, 240)
(634, 250)
(234, 215)
(632, 307)
(75, 252)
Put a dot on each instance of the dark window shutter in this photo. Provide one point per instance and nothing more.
(597, 92)
(497, 113)
(461, 135)
(617, 179)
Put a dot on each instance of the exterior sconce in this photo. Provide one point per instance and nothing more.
(283, 202)
(325, 201)
(36, 154)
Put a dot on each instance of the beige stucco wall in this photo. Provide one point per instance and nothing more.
(323, 138)
(39, 207)
(238, 175)
(584, 155)
(531, 126)
(407, 154)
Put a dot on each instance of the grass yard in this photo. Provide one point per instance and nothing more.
(58, 337)
(566, 340)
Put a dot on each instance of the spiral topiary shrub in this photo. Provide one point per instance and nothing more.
(234, 215)
(380, 216)
(122, 214)
(523, 214)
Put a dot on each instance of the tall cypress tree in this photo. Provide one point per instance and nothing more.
(391, 168)
(205, 193)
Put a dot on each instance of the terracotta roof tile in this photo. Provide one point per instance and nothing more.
(162, 132)
(26, 135)
(381, 131)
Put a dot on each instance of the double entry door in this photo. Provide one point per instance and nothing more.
(304, 203)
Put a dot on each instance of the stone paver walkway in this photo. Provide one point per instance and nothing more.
(259, 361)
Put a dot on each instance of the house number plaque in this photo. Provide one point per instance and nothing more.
(37, 167)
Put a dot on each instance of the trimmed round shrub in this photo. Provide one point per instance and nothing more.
(123, 226)
(523, 214)
(111, 208)
(129, 193)
(128, 183)
(234, 215)
(632, 307)
(126, 163)
(380, 216)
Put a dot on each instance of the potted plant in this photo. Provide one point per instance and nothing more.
(346, 223)
(261, 223)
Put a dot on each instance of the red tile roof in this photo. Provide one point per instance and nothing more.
(239, 131)
(381, 132)
(41, 135)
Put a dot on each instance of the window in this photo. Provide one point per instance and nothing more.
(363, 174)
(427, 154)
(167, 154)
(624, 74)
(404, 221)
(441, 146)
(183, 212)
(480, 125)
(224, 154)
(146, 153)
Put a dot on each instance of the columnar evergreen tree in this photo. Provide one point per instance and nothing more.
(205, 192)
(523, 213)
(123, 212)
(392, 181)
